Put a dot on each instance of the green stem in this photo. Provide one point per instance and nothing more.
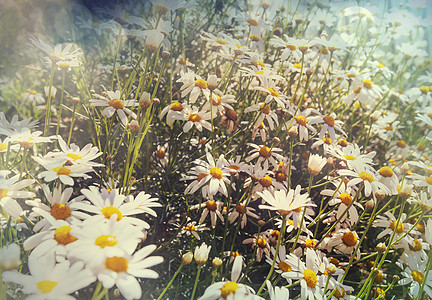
(196, 282)
(61, 103)
(171, 281)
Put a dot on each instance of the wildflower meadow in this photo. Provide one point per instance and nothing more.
(215, 149)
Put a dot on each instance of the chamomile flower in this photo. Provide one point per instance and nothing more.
(344, 241)
(264, 113)
(194, 117)
(415, 275)
(330, 125)
(277, 293)
(192, 228)
(261, 243)
(391, 223)
(264, 153)
(74, 155)
(352, 157)
(210, 207)
(122, 270)
(33, 97)
(113, 104)
(173, 112)
(300, 122)
(105, 203)
(61, 207)
(96, 242)
(11, 189)
(193, 84)
(270, 89)
(48, 280)
(368, 178)
(241, 211)
(58, 170)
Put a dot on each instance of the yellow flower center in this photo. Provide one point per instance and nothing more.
(160, 154)
(60, 211)
(266, 109)
(284, 267)
(116, 103)
(345, 198)
(324, 51)
(273, 92)
(259, 73)
(254, 38)
(327, 141)
(430, 115)
(229, 288)
(231, 115)
(261, 243)
(32, 92)
(110, 210)
(417, 245)
(189, 228)
(343, 143)
(240, 208)
(201, 83)
(366, 176)
(297, 66)
(194, 118)
(46, 286)
(349, 157)
(3, 193)
(380, 66)
(420, 227)
(3, 147)
(73, 156)
(310, 243)
(106, 240)
(117, 264)
(424, 89)
(367, 83)
(301, 120)
(280, 176)
(310, 277)
(176, 106)
(62, 171)
(339, 294)
(216, 172)
(401, 144)
(429, 180)
(252, 22)
(386, 172)
(400, 227)
(264, 151)
(266, 181)
(62, 235)
(291, 47)
(329, 120)
(260, 63)
(211, 205)
(349, 239)
(417, 276)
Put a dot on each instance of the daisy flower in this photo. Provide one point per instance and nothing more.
(15, 126)
(330, 125)
(173, 112)
(265, 113)
(60, 207)
(33, 97)
(281, 265)
(122, 270)
(261, 243)
(10, 257)
(210, 207)
(193, 84)
(98, 241)
(352, 157)
(74, 155)
(260, 178)
(10, 189)
(301, 123)
(219, 103)
(264, 153)
(58, 170)
(343, 196)
(194, 117)
(230, 289)
(344, 241)
(26, 139)
(310, 281)
(368, 178)
(192, 228)
(389, 179)
(272, 91)
(241, 211)
(315, 164)
(58, 54)
(105, 203)
(113, 104)
(201, 253)
(285, 203)
(391, 224)
(414, 274)
(160, 155)
(48, 280)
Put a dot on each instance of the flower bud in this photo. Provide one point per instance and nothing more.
(370, 204)
(166, 54)
(212, 82)
(379, 194)
(134, 126)
(381, 247)
(216, 262)
(405, 167)
(145, 100)
(75, 100)
(10, 257)
(187, 258)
